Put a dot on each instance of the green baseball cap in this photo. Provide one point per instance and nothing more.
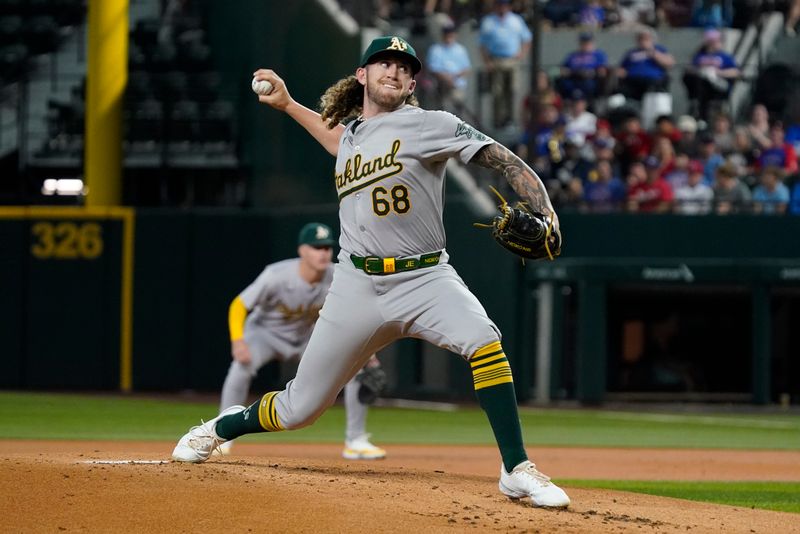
(391, 44)
(317, 235)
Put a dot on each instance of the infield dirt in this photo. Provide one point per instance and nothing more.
(48, 486)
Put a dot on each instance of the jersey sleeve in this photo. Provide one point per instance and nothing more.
(258, 291)
(443, 135)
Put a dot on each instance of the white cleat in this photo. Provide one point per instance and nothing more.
(197, 445)
(526, 481)
(361, 449)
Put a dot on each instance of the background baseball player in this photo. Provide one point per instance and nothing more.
(393, 279)
(272, 319)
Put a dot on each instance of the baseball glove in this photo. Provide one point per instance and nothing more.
(372, 383)
(525, 233)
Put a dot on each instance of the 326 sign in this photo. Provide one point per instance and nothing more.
(66, 240)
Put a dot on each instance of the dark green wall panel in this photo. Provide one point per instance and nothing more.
(13, 274)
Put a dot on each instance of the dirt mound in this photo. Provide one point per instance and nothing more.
(54, 487)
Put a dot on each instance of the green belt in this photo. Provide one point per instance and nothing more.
(376, 265)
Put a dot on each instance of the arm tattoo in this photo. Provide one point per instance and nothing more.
(522, 178)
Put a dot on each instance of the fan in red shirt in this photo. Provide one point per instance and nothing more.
(633, 143)
(648, 192)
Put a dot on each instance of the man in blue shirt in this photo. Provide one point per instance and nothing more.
(711, 74)
(505, 40)
(644, 68)
(584, 69)
(449, 63)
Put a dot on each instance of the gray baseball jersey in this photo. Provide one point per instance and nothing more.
(283, 308)
(390, 180)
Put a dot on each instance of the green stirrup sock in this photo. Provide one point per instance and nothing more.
(494, 387)
(258, 417)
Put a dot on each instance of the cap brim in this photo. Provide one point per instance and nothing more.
(416, 64)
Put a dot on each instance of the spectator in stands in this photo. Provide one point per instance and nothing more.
(688, 142)
(652, 194)
(792, 18)
(603, 191)
(758, 127)
(504, 40)
(665, 127)
(562, 12)
(449, 63)
(780, 153)
(731, 195)
(694, 197)
(592, 15)
(581, 123)
(633, 143)
(711, 74)
(771, 196)
(709, 157)
(678, 174)
(664, 153)
(585, 69)
(712, 14)
(744, 154)
(567, 175)
(644, 67)
(635, 13)
(794, 206)
(722, 130)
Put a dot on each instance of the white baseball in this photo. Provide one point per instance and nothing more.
(261, 87)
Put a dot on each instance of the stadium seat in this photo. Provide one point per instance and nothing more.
(171, 86)
(10, 29)
(183, 122)
(41, 34)
(217, 123)
(13, 62)
(205, 86)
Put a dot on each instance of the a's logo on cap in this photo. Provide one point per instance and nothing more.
(398, 44)
(322, 232)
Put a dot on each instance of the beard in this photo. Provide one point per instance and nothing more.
(385, 98)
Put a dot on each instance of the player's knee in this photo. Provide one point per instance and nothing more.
(300, 418)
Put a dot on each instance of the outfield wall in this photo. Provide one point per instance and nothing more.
(729, 284)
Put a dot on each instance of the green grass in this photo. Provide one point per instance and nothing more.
(116, 417)
(778, 496)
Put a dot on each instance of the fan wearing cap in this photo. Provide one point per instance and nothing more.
(272, 319)
(585, 69)
(694, 197)
(393, 279)
(710, 76)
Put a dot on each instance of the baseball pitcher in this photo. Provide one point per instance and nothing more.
(393, 279)
(272, 319)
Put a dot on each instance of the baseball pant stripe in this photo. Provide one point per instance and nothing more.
(488, 349)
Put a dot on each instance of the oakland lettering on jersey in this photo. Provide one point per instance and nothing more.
(356, 170)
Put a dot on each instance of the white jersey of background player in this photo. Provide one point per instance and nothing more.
(273, 318)
(393, 279)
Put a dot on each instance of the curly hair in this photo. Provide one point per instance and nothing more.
(345, 100)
